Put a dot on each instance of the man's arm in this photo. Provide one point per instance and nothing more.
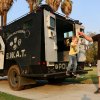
(88, 38)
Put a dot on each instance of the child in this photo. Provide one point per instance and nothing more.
(73, 56)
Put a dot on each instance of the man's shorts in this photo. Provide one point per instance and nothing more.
(98, 67)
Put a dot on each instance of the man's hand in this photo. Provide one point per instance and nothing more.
(88, 38)
(80, 33)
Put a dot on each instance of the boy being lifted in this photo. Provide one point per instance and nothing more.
(73, 56)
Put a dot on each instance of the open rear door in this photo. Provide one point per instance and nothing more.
(2, 52)
(82, 51)
(50, 37)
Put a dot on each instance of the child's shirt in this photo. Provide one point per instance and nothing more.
(73, 49)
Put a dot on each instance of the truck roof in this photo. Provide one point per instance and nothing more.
(48, 8)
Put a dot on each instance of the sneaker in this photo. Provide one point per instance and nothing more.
(67, 73)
(97, 91)
(74, 74)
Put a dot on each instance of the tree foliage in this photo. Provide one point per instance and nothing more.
(91, 52)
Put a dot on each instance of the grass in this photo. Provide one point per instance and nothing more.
(4, 96)
(89, 78)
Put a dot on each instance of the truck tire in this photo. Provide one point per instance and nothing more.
(14, 78)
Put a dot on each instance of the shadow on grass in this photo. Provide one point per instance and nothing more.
(92, 79)
(89, 78)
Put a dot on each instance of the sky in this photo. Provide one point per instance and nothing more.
(86, 11)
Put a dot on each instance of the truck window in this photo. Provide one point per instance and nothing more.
(68, 34)
(67, 38)
(52, 22)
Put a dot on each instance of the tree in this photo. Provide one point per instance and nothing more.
(5, 5)
(66, 7)
(33, 4)
(54, 4)
(91, 52)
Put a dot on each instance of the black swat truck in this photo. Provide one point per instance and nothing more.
(33, 48)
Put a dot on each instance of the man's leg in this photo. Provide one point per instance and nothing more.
(98, 70)
(98, 90)
(99, 82)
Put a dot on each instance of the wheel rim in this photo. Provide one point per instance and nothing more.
(14, 79)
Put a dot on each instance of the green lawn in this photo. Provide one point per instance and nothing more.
(89, 78)
(4, 96)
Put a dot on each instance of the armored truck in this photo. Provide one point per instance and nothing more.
(33, 47)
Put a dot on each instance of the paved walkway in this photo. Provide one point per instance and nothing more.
(46, 91)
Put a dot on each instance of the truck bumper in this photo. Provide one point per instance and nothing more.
(46, 76)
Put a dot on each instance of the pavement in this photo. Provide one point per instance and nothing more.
(45, 91)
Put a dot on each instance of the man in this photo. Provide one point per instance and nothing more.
(93, 39)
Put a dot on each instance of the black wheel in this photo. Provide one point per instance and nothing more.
(14, 78)
(58, 80)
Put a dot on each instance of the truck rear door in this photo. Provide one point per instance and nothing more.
(50, 37)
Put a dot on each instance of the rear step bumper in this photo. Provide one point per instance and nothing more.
(52, 75)
(45, 76)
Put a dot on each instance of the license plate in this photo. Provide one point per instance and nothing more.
(60, 66)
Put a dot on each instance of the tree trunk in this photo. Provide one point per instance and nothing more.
(4, 18)
(31, 7)
(1, 24)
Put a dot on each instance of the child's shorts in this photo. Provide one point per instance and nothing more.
(98, 67)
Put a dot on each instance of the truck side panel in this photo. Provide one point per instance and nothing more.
(23, 40)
